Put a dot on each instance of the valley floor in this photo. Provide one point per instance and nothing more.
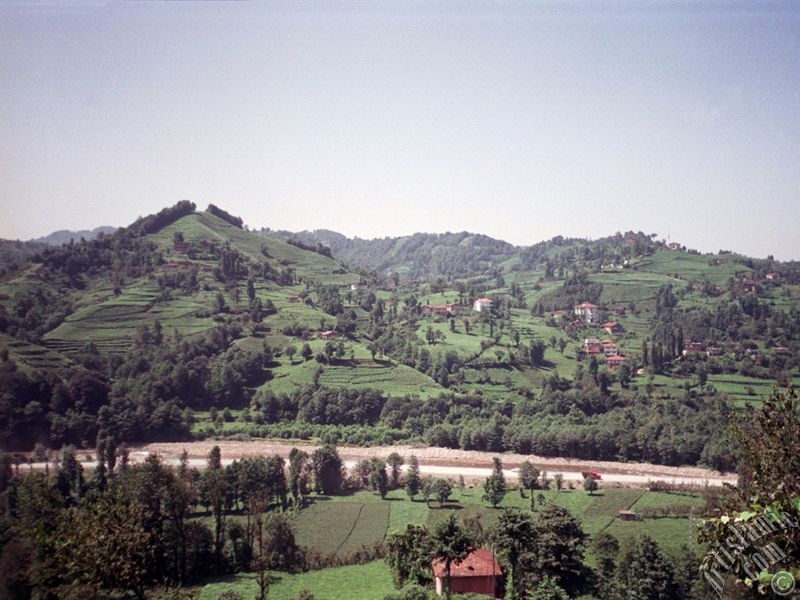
(447, 462)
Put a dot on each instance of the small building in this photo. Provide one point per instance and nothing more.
(587, 311)
(674, 246)
(592, 346)
(751, 286)
(614, 361)
(782, 350)
(292, 299)
(627, 515)
(612, 327)
(478, 573)
(609, 347)
(618, 310)
(773, 276)
(327, 335)
(692, 347)
(482, 304)
(558, 313)
(355, 287)
(440, 310)
(714, 351)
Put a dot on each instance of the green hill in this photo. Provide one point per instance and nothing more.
(152, 331)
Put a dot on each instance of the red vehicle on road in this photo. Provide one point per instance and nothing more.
(594, 474)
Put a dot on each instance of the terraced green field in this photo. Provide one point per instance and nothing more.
(690, 266)
(111, 323)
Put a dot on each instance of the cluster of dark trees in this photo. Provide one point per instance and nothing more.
(130, 527)
(579, 423)
(143, 395)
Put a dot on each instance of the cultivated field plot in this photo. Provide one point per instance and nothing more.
(691, 266)
(33, 356)
(631, 286)
(341, 527)
(360, 373)
(111, 324)
(357, 582)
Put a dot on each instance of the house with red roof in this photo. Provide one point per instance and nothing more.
(482, 304)
(327, 335)
(478, 573)
(612, 327)
(615, 361)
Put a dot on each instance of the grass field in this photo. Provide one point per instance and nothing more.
(371, 581)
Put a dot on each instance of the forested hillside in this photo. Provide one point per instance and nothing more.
(187, 324)
(417, 256)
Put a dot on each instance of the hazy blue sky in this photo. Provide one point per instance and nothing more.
(518, 120)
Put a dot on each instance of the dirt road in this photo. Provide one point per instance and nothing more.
(449, 463)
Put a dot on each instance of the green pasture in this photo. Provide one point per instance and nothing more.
(370, 581)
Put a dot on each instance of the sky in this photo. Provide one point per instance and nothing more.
(518, 120)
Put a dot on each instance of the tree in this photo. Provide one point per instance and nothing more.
(291, 350)
(327, 467)
(562, 343)
(528, 475)
(590, 484)
(494, 489)
(559, 549)
(769, 482)
(306, 352)
(395, 461)
(442, 490)
(514, 538)
(549, 590)
(298, 476)
(450, 545)
(378, 479)
(413, 481)
(216, 488)
(408, 555)
(103, 547)
(644, 571)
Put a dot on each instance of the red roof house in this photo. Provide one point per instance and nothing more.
(615, 361)
(478, 573)
(612, 327)
(327, 335)
(592, 346)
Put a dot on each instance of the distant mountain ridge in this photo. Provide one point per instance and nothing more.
(64, 236)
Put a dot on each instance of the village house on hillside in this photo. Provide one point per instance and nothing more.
(587, 311)
(609, 347)
(440, 310)
(482, 304)
(692, 347)
(615, 361)
(327, 335)
(592, 346)
(773, 276)
(478, 573)
(612, 327)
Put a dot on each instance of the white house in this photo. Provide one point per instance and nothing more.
(587, 311)
(482, 304)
